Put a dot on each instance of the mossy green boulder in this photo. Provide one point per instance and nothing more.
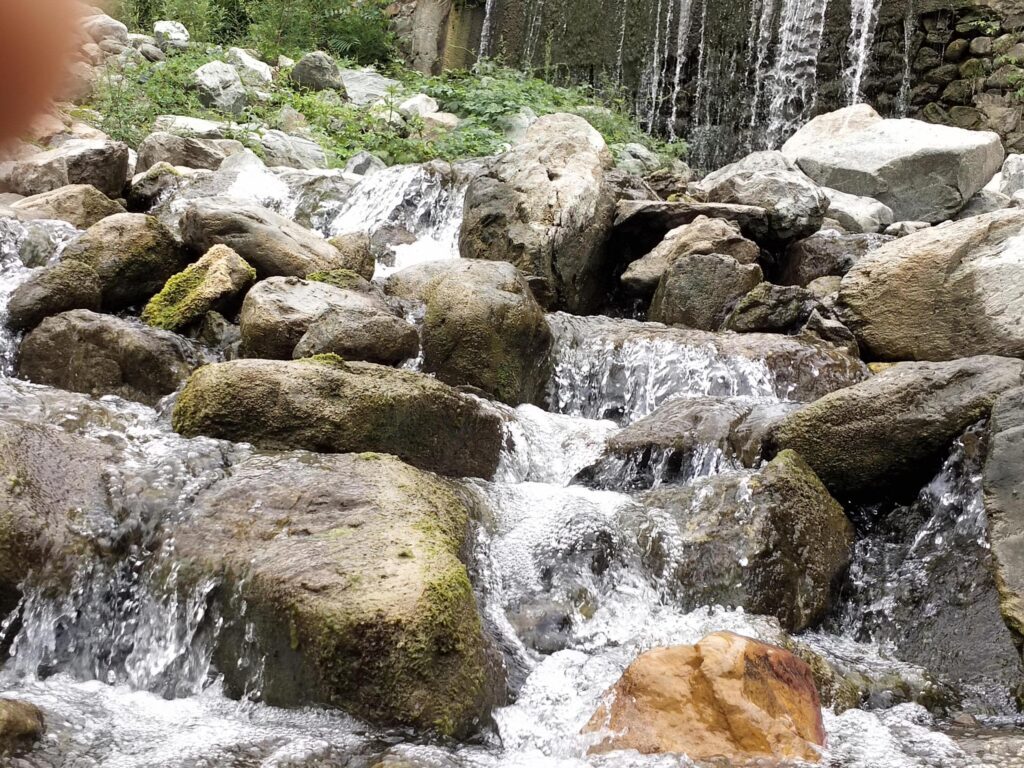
(772, 542)
(482, 328)
(325, 404)
(133, 254)
(209, 284)
(65, 286)
(349, 568)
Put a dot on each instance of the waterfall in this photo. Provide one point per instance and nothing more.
(487, 31)
(682, 40)
(793, 82)
(620, 57)
(863, 19)
(534, 11)
(903, 99)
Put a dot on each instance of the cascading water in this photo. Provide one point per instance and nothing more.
(576, 575)
(487, 31)
(863, 19)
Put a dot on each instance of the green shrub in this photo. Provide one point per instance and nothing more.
(353, 29)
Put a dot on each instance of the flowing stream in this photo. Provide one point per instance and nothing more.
(121, 661)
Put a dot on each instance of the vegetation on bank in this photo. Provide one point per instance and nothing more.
(129, 100)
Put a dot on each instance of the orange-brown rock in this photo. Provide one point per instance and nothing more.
(726, 697)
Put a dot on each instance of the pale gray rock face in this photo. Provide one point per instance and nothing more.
(942, 293)
(102, 27)
(160, 147)
(795, 205)
(99, 162)
(547, 207)
(985, 201)
(365, 86)
(856, 214)
(251, 70)
(923, 172)
(318, 72)
(284, 150)
(1011, 178)
(221, 88)
(171, 36)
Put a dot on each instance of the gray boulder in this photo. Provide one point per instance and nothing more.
(82, 351)
(482, 327)
(79, 204)
(270, 242)
(771, 308)
(356, 331)
(220, 88)
(825, 253)
(858, 214)
(52, 290)
(1011, 179)
(133, 254)
(1002, 480)
(701, 236)
(366, 86)
(546, 207)
(99, 162)
(942, 293)
(102, 27)
(253, 72)
(699, 291)
(985, 201)
(171, 36)
(887, 435)
(922, 171)
(794, 204)
(317, 71)
(773, 542)
(282, 149)
(161, 147)
(326, 405)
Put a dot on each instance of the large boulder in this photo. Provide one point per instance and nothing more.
(285, 150)
(685, 438)
(922, 171)
(253, 72)
(179, 151)
(220, 88)
(772, 308)
(772, 542)
(21, 725)
(360, 600)
(133, 254)
(482, 328)
(825, 253)
(887, 435)
(1002, 481)
(701, 236)
(209, 284)
(278, 312)
(794, 204)
(82, 351)
(99, 162)
(359, 330)
(726, 698)
(699, 291)
(941, 293)
(327, 405)
(317, 71)
(271, 243)
(81, 205)
(65, 286)
(856, 214)
(547, 206)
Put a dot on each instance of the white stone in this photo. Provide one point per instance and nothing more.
(181, 125)
(365, 86)
(856, 214)
(251, 70)
(171, 35)
(1011, 178)
(220, 87)
(921, 171)
(282, 149)
(419, 105)
(102, 27)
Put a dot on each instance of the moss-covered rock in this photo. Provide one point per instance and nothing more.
(210, 283)
(356, 253)
(482, 327)
(338, 407)
(773, 542)
(886, 436)
(82, 351)
(349, 566)
(133, 254)
(62, 287)
(21, 724)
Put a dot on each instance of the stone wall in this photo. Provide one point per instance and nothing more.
(959, 62)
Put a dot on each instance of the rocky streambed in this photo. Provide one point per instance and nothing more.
(516, 461)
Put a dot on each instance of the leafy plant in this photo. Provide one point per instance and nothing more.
(354, 29)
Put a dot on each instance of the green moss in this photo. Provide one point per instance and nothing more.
(339, 278)
(329, 358)
(173, 308)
